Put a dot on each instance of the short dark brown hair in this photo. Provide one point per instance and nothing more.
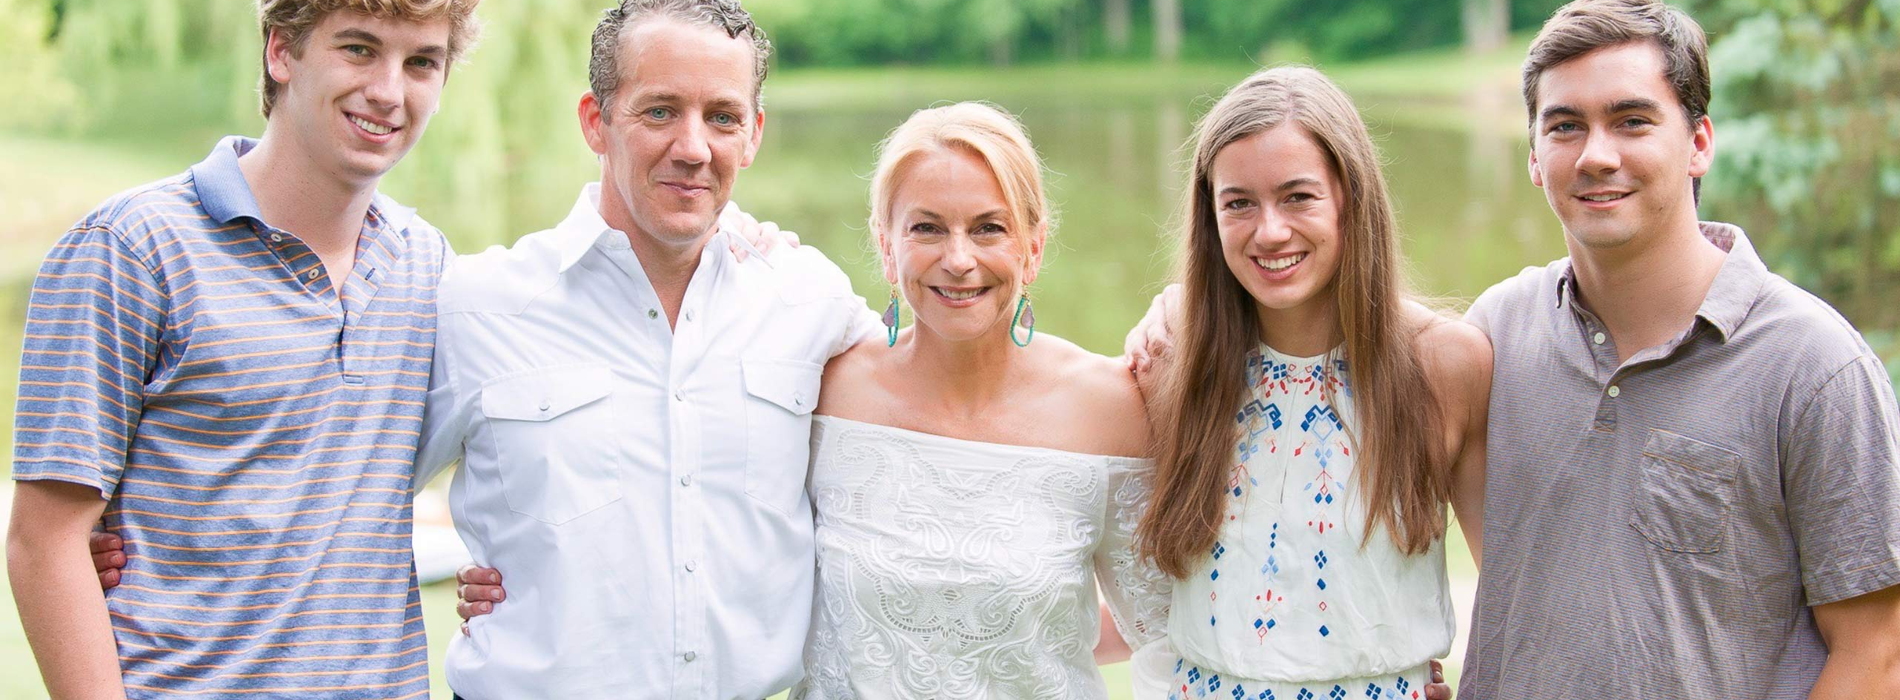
(295, 18)
(603, 66)
(1587, 25)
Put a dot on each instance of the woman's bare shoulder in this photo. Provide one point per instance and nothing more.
(1097, 396)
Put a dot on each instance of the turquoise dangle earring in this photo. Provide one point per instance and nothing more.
(892, 317)
(1026, 318)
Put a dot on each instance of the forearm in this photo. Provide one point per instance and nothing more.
(62, 608)
(1110, 648)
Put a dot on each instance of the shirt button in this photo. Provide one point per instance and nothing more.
(692, 566)
(798, 400)
(314, 274)
(1614, 392)
(544, 405)
(686, 480)
(653, 313)
(689, 314)
(1598, 338)
(277, 238)
(679, 396)
(689, 656)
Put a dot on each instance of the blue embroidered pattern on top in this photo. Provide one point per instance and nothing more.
(1316, 448)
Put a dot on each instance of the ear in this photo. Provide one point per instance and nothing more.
(278, 53)
(887, 256)
(592, 123)
(758, 136)
(1537, 174)
(1703, 140)
(1034, 259)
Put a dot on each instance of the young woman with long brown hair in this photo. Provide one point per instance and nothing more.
(1312, 420)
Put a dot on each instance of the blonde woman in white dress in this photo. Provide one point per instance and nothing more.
(974, 481)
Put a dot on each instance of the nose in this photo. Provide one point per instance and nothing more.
(384, 90)
(1273, 230)
(1599, 153)
(959, 255)
(690, 146)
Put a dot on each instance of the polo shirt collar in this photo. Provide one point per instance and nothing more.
(584, 227)
(227, 197)
(1738, 282)
(222, 191)
(1730, 296)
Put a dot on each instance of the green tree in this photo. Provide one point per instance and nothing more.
(1807, 114)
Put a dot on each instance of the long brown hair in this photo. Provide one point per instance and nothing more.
(1397, 424)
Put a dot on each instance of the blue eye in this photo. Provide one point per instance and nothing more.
(724, 119)
(658, 112)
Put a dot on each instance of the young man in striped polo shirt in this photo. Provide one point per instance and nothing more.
(228, 367)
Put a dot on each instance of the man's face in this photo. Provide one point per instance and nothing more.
(1612, 147)
(361, 92)
(676, 132)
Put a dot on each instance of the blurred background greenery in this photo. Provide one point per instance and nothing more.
(101, 95)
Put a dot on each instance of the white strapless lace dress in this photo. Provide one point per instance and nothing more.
(957, 569)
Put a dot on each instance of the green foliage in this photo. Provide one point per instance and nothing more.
(1807, 113)
(39, 95)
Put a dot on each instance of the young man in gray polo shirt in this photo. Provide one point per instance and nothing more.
(1692, 487)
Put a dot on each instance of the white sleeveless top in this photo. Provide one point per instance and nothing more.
(957, 569)
(1288, 594)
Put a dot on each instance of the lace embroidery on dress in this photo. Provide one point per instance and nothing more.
(950, 568)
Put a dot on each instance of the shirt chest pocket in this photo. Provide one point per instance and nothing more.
(1686, 493)
(554, 436)
(779, 398)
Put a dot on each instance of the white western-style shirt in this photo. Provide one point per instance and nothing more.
(640, 488)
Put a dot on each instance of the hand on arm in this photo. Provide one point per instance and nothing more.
(54, 584)
(763, 235)
(1151, 339)
(477, 590)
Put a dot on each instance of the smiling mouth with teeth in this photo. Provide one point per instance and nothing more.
(959, 295)
(1281, 263)
(1603, 197)
(371, 127)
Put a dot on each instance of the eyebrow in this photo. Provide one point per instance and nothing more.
(996, 214)
(1297, 182)
(1636, 104)
(1558, 111)
(359, 35)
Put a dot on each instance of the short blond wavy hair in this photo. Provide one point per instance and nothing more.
(977, 128)
(296, 18)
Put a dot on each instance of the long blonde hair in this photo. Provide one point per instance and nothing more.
(1397, 426)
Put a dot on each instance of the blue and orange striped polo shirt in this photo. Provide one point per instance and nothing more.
(253, 431)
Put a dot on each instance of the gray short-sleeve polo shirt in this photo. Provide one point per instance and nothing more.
(1659, 528)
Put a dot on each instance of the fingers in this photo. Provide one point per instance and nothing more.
(790, 239)
(465, 628)
(481, 575)
(1437, 689)
(105, 542)
(468, 609)
(108, 560)
(739, 252)
(108, 578)
(766, 238)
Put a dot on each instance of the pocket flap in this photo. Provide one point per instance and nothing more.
(788, 384)
(543, 393)
(1692, 454)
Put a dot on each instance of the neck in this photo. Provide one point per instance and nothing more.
(1303, 331)
(669, 266)
(296, 195)
(964, 377)
(1647, 291)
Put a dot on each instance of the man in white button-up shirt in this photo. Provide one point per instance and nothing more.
(632, 402)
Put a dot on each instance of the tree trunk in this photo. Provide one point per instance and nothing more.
(1115, 26)
(1167, 16)
(1487, 24)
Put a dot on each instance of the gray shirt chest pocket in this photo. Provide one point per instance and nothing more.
(1686, 493)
